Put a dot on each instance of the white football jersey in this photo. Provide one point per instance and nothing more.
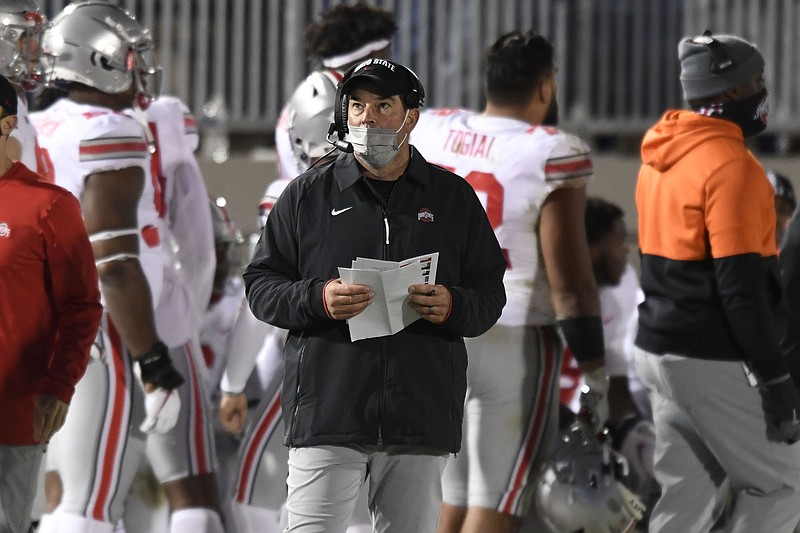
(232, 339)
(77, 140)
(512, 166)
(215, 332)
(619, 310)
(188, 243)
(620, 314)
(25, 133)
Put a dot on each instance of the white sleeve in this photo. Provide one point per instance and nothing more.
(190, 221)
(287, 166)
(568, 163)
(245, 343)
(271, 195)
(619, 314)
(113, 142)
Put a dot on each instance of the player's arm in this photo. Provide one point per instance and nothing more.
(246, 341)
(110, 202)
(569, 269)
(562, 235)
(191, 227)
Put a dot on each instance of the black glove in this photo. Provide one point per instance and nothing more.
(155, 367)
(781, 404)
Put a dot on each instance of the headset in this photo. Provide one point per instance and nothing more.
(414, 99)
(721, 61)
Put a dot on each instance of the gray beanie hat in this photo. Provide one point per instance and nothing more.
(711, 65)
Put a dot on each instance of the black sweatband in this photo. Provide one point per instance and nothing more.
(584, 336)
(155, 367)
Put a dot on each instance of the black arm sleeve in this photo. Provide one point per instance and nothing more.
(584, 336)
(750, 292)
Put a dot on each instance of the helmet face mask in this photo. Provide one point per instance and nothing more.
(147, 77)
(581, 486)
(21, 27)
(101, 46)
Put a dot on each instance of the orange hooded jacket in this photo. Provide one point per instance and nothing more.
(707, 243)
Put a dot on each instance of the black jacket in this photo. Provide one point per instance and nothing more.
(404, 389)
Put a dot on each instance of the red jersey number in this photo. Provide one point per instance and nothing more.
(490, 191)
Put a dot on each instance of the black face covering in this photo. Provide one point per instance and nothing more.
(749, 113)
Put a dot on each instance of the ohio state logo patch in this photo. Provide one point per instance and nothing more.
(425, 215)
(5, 231)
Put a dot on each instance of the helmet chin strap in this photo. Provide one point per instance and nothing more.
(141, 102)
(138, 113)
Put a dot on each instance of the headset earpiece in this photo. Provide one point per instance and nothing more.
(416, 98)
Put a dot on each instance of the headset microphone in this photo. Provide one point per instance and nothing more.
(341, 145)
(345, 147)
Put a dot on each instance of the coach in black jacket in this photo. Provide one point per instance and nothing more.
(391, 406)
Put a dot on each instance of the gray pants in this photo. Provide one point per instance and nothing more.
(19, 470)
(405, 488)
(710, 427)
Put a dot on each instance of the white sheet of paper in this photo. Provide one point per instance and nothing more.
(389, 311)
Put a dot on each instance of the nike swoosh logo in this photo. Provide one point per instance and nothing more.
(335, 211)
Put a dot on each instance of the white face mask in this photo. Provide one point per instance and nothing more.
(376, 146)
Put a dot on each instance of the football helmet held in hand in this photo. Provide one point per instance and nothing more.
(581, 487)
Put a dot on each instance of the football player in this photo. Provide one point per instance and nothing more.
(186, 471)
(21, 26)
(232, 339)
(340, 38)
(785, 203)
(90, 147)
(532, 179)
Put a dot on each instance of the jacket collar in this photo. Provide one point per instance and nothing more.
(346, 170)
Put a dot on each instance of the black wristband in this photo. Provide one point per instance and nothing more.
(155, 367)
(584, 336)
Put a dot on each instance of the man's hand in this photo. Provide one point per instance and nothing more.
(346, 301)
(432, 302)
(48, 417)
(233, 412)
(781, 405)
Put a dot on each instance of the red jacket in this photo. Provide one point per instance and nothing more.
(49, 298)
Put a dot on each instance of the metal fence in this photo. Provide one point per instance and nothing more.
(617, 58)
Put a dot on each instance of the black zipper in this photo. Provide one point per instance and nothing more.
(297, 388)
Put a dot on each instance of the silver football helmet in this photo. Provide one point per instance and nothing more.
(580, 488)
(101, 45)
(21, 27)
(310, 116)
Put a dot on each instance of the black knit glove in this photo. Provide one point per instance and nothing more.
(155, 368)
(781, 404)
